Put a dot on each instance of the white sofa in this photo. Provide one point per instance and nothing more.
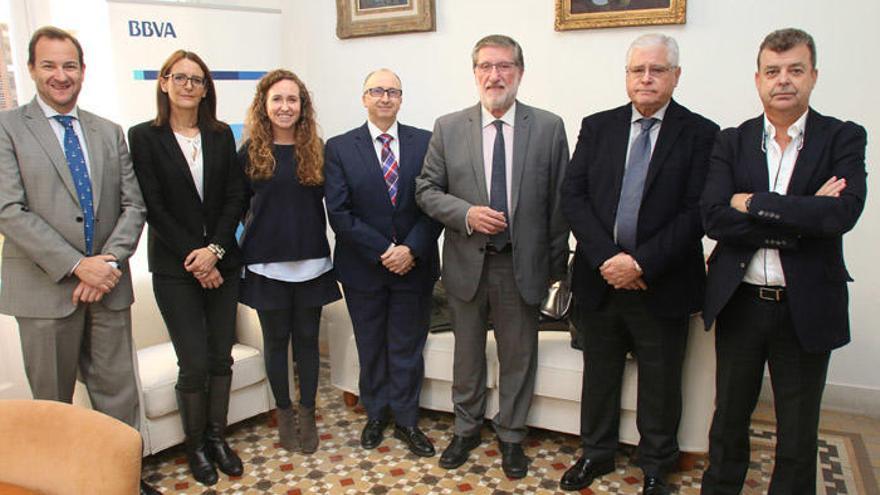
(556, 403)
(157, 371)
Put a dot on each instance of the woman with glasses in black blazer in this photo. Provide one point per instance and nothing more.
(194, 189)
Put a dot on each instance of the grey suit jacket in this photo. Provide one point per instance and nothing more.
(453, 180)
(41, 219)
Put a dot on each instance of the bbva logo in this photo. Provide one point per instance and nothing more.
(151, 29)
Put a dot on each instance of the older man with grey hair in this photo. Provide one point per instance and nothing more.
(491, 176)
(631, 196)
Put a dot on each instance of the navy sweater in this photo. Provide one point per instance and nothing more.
(285, 220)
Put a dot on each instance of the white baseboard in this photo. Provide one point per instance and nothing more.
(843, 398)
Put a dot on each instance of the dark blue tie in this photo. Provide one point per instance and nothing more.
(80, 173)
(633, 187)
(498, 191)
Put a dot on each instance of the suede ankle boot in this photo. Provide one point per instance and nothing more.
(288, 431)
(308, 429)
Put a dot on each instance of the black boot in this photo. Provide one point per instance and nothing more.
(193, 408)
(218, 407)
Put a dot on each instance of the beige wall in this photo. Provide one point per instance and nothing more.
(576, 73)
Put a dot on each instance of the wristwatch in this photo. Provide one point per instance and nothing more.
(217, 250)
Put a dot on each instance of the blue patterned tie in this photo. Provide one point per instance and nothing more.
(633, 187)
(498, 187)
(80, 173)
(389, 167)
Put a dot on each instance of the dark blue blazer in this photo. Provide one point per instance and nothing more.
(807, 229)
(363, 218)
(669, 233)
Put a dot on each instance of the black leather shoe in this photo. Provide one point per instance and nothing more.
(417, 442)
(223, 456)
(584, 471)
(655, 486)
(146, 489)
(372, 435)
(458, 451)
(201, 467)
(513, 460)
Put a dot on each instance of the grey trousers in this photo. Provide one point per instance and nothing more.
(516, 335)
(94, 340)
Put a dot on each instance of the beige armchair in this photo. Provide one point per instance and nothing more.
(55, 448)
(157, 371)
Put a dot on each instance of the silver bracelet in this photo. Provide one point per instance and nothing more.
(217, 250)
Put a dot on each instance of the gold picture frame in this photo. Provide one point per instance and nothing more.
(356, 18)
(591, 14)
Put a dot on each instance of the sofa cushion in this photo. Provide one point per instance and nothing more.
(560, 367)
(560, 371)
(157, 368)
(439, 350)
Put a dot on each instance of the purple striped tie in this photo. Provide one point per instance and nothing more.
(389, 167)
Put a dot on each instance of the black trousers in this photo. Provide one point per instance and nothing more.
(621, 325)
(201, 324)
(297, 325)
(749, 333)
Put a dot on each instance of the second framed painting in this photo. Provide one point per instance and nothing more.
(377, 17)
(588, 14)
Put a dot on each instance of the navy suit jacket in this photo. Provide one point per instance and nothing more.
(363, 218)
(668, 246)
(806, 229)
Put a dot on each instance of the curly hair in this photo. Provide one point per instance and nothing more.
(308, 146)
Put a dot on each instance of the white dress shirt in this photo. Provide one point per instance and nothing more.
(58, 129)
(765, 268)
(192, 151)
(375, 132)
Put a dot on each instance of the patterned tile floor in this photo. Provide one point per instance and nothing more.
(341, 467)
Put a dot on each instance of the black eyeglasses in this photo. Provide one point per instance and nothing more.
(180, 79)
(379, 91)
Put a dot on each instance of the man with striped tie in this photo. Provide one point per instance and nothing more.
(71, 212)
(385, 257)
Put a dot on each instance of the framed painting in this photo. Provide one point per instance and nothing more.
(590, 14)
(377, 17)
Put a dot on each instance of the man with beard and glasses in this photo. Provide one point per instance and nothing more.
(491, 177)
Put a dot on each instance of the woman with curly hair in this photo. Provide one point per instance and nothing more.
(289, 275)
(185, 162)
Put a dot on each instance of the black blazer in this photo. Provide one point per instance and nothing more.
(179, 221)
(808, 230)
(669, 233)
(363, 218)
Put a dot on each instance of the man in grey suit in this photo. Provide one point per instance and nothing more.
(491, 176)
(71, 212)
